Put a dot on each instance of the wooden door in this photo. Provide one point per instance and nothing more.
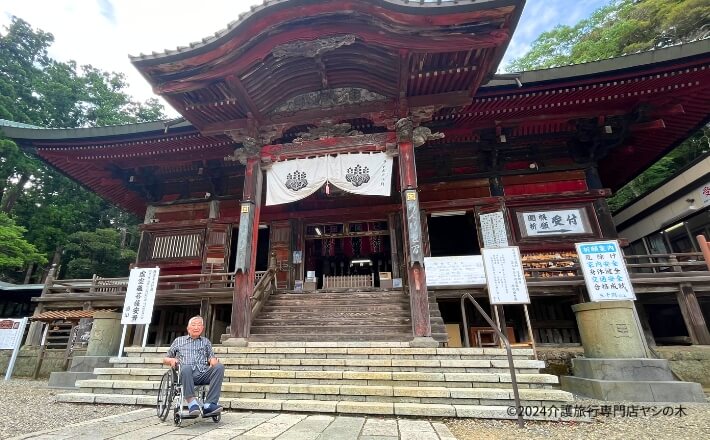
(216, 255)
(281, 246)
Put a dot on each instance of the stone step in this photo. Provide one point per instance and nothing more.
(390, 350)
(424, 365)
(381, 393)
(353, 377)
(319, 406)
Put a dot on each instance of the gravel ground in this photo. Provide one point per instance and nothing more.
(39, 411)
(694, 425)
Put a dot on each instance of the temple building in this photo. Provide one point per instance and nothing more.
(332, 147)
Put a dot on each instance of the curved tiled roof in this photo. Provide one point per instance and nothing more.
(413, 7)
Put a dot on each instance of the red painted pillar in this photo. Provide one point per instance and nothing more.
(412, 228)
(246, 250)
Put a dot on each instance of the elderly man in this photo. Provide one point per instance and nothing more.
(199, 367)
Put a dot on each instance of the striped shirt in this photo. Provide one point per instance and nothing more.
(193, 352)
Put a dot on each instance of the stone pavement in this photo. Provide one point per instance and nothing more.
(142, 424)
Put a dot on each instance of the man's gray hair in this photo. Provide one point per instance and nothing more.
(194, 318)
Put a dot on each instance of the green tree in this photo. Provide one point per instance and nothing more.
(15, 251)
(36, 89)
(97, 252)
(621, 27)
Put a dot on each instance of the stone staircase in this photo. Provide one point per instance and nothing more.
(340, 316)
(386, 378)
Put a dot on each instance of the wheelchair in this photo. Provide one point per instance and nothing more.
(170, 394)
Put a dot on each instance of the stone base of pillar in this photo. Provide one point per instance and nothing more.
(235, 342)
(424, 342)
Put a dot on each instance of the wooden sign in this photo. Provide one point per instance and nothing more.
(553, 222)
(465, 270)
(505, 276)
(604, 270)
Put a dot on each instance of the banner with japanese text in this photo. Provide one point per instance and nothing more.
(140, 296)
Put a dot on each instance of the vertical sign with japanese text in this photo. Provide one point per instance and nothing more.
(604, 270)
(140, 296)
(505, 276)
(493, 230)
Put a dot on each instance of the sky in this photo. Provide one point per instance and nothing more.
(104, 32)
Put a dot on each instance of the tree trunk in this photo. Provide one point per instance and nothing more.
(14, 194)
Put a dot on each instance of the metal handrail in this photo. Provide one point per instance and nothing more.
(509, 351)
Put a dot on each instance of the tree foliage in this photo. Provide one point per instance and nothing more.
(621, 27)
(97, 252)
(39, 90)
(685, 154)
(15, 251)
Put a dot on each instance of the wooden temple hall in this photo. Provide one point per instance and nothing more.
(326, 149)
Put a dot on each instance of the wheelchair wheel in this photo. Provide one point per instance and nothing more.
(217, 418)
(177, 419)
(165, 396)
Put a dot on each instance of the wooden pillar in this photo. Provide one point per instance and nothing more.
(412, 227)
(690, 309)
(246, 250)
(392, 220)
(692, 315)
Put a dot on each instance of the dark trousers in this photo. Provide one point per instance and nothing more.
(212, 376)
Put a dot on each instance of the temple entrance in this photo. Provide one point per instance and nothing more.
(262, 250)
(452, 234)
(353, 254)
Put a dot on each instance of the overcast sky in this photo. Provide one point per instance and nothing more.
(104, 32)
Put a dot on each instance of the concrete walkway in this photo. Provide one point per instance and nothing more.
(142, 424)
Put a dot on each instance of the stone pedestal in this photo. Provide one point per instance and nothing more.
(81, 368)
(105, 335)
(632, 380)
(616, 367)
(608, 329)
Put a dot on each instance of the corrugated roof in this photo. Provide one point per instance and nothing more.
(56, 315)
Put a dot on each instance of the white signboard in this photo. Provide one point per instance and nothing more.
(10, 330)
(140, 295)
(493, 230)
(506, 279)
(604, 271)
(454, 271)
(557, 222)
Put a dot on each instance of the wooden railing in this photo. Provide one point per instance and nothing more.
(264, 287)
(568, 268)
(348, 281)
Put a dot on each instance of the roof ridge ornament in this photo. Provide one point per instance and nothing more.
(312, 48)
